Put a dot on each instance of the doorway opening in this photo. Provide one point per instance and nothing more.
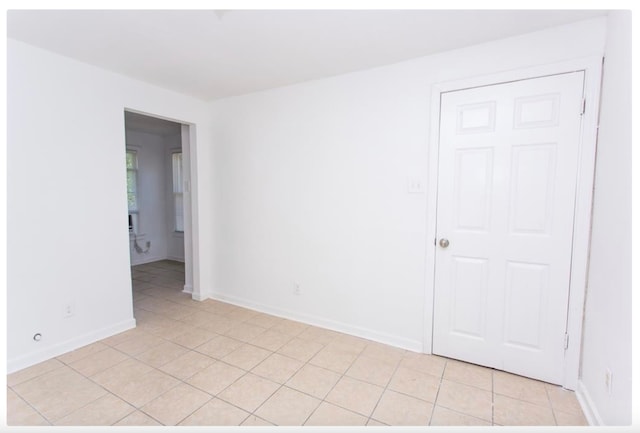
(159, 205)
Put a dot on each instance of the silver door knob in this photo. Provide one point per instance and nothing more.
(444, 243)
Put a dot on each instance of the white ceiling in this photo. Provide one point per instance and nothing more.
(213, 54)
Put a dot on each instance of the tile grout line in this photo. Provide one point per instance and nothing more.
(383, 391)
(28, 404)
(435, 399)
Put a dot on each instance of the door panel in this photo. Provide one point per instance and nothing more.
(507, 168)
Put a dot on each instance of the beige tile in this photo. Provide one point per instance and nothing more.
(193, 338)
(219, 347)
(216, 377)
(563, 400)
(373, 423)
(121, 337)
(169, 329)
(446, 417)
(353, 343)
(142, 389)
(334, 359)
(137, 418)
(372, 370)
(255, 421)
(289, 327)
(218, 324)
(466, 399)
(33, 371)
(59, 392)
(138, 344)
(98, 361)
(185, 366)
(197, 318)
(271, 340)
(288, 407)
(82, 352)
(216, 412)
(161, 354)
(241, 314)
(277, 368)
(246, 356)
(19, 413)
(176, 404)
(355, 395)
(302, 350)
(399, 409)
(315, 381)
(122, 373)
(104, 411)
(416, 384)
(319, 335)
(328, 414)
(245, 332)
(249, 392)
(265, 320)
(509, 411)
(429, 364)
(469, 374)
(570, 419)
(383, 352)
(520, 388)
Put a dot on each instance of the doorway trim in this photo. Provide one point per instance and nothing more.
(592, 67)
(190, 203)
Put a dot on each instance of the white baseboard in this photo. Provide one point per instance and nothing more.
(175, 258)
(346, 328)
(145, 260)
(188, 288)
(33, 358)
(587, 405)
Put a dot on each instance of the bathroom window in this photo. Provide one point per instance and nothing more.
(132, 181)
(176, 163)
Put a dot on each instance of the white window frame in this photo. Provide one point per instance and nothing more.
(177, 187)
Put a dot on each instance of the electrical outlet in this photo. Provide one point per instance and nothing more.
(415, 185)
(296, 289)
(69, 310)
(608, 380)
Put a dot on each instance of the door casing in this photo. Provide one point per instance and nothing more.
(592, 67)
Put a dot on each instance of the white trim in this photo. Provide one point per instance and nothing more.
(147, 260)
(33, 358)
(175, 259)
(369, 334)
(187, 289)
(588, 407)
(582, 220)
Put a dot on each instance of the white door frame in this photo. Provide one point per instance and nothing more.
(190, 203)
(592, 66)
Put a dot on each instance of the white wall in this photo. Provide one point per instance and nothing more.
(607, 329)
(67, 232)
(175, 240)
(311, 186)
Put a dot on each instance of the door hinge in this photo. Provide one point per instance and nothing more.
(584, 106)
(566, 341)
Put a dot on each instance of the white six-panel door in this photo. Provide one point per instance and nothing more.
(508, 163)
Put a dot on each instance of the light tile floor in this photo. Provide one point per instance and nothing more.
(212, 363)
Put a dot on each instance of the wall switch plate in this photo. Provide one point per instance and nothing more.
(69, 310)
